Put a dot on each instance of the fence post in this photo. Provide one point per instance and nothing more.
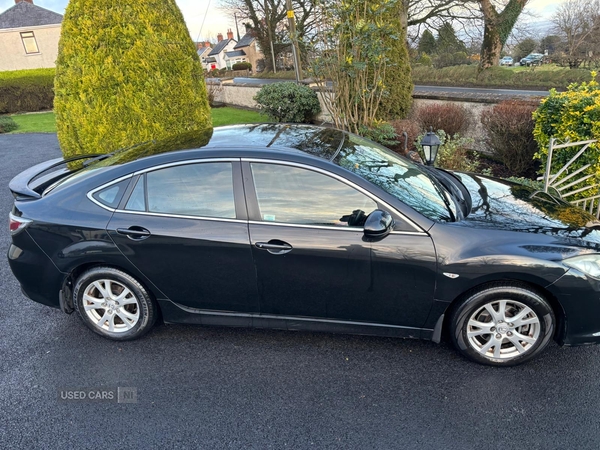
(548, 165)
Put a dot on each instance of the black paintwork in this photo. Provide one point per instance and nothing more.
(245, 272)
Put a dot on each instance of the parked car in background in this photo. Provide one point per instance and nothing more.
(305, 228)
(506, 61)
(533, 59)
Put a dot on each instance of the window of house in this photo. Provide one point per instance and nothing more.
(29, 42)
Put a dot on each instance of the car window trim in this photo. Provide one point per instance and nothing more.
(330, 228)
(180, 216)
(417, 228)
(238, 191)
(90, 194)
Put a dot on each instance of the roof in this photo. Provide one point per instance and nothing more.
(220, 46)
(245, 41)
(203, 50)
(210, 59)
(25, 15)
(235, 53)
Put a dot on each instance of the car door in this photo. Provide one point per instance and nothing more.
(185, 228)
(312, 258)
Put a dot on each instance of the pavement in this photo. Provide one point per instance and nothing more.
(214, 388)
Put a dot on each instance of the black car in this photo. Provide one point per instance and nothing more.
(305, 228)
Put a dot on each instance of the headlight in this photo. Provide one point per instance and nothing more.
(588, 264)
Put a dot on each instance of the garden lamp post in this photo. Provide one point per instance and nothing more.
(430, 144)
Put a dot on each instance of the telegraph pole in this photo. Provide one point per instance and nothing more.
(294, 38)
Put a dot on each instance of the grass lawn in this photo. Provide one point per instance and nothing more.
(45, 123)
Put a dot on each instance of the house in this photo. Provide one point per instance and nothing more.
(216, 57)
(246, 50)
(29, 36)
(204, 49)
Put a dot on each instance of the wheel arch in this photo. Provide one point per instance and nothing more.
(69, 282)
(538, 288)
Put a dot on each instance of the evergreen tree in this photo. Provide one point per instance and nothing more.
(447, 41)
(427, 43)
(127, 72)
(397, 103)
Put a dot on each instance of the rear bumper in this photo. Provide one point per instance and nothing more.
(39, 278)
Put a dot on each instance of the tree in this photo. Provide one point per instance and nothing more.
(448, 42)
(551, 44)
(427, 43)
(497, 28)
(119, 83)
(524, 48)
(397, 99)
(578, 22)
(268, 20)
(366, 59)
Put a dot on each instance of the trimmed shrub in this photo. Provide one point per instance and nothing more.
(397, 82)
(509, 129)
(26, 90)
(120, 83)
(573, 116)
(288, 102)
(7, 124)
(242, 66)
(453, 119)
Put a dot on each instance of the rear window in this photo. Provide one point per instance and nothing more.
(70, 179)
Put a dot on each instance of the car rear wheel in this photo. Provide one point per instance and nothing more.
(114, 304)
(502, 325)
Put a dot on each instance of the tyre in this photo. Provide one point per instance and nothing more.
(502, 324)
(114, 304)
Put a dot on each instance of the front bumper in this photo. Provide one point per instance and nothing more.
(579, 298)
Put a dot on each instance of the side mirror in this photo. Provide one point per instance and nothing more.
(378, 224)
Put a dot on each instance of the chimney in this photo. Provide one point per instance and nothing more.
(230, 34)
(19, 1)
(248, 26)
(219, 37)
(207, 44)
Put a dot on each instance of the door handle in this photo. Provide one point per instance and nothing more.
(274, 247)
(134, 233)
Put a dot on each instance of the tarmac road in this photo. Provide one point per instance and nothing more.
(236, 388)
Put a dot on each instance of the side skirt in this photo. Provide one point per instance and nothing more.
(176, 313)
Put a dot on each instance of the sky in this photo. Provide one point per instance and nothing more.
(194, 12)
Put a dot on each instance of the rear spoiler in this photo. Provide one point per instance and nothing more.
(22, 186)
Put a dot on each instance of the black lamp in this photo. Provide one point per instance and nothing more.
(431, 145)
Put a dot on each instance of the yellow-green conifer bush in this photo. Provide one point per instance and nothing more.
(127, 72)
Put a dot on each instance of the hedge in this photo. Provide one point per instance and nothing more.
(123, 82)
(26, 90)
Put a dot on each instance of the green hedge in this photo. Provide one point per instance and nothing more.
(544, 77)
(26, 90)
(122, 82)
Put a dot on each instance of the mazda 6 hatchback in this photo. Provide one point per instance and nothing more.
(305, 228)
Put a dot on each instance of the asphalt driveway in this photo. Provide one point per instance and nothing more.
(236, 388)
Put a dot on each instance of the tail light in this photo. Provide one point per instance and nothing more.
(16, 224)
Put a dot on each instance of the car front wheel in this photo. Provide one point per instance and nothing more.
(114, 304)
(502, 325)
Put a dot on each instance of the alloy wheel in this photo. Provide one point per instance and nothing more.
(111, 306)
(503, 329)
